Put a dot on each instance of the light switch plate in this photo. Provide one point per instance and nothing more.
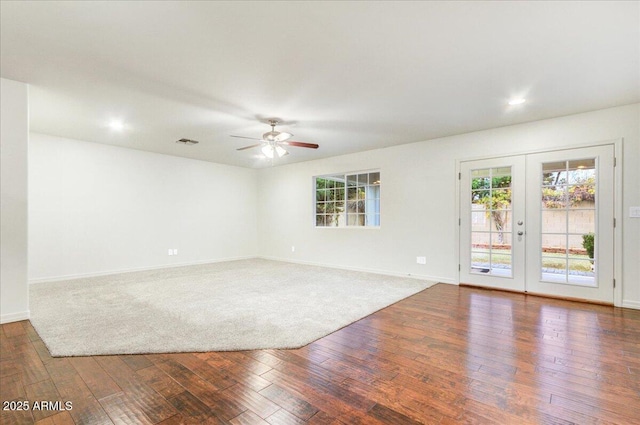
(421, 260)
(634, 212)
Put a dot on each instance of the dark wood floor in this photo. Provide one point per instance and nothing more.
(445, 355)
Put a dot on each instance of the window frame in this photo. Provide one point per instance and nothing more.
(344, 218)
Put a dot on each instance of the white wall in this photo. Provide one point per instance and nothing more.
(14, 137)
(419, 198)
(96, 209)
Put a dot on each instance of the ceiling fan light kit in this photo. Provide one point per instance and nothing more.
(272, 142)
(270, 151)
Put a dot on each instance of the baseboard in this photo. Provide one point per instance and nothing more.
(193, 263)
(631, 304)
(134, 269)
(14, 317)
(435, 279)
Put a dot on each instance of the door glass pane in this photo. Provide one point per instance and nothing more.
(480, 260)
(582, 171)
(480, 240)
(554, 221)
(479, 221)
(556, 244)
(568, 216)
(501, 241)
(491, 221)
(554, 268)
(501, 220)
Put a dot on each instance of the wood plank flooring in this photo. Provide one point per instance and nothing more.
(446, 355)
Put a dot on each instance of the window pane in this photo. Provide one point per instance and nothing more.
(554, 243)
(581, 272)
(554, 197)
(576, 243)
(554, 269)
(480, 240)
(500, 264)
(373, 219)
(372, 206)
(501, 241)
(502, 172)
(480, 197)
(500, 221)
(582, 221)
(355, 219)
(374, 178)
(481, 183)
(568, 209)
(582, 196)
(373, 192)
(330, 207)
(500, 199)
(554, 221)
(330, 220)
(582, 171)
(483, 172)
(554, 173)
(480, 261)
(352, 199)
(479, 221)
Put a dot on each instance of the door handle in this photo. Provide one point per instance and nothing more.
(520, 233)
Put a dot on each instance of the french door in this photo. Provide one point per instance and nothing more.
(540, 223)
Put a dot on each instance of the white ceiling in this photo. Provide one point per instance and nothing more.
(350, 76)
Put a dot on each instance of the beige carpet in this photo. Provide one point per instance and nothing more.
(236, 305)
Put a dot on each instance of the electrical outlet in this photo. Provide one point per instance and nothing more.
(293, 248)
(170, 252)
(634, 212)
(421, 260)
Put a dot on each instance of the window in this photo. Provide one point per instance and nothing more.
(348, 200)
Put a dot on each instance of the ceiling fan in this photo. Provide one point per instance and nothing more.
(273, 142)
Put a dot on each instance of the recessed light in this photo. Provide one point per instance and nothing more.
(116, 125)
(517, 101)
(187, 141)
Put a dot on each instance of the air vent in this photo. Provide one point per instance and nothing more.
(187, 142)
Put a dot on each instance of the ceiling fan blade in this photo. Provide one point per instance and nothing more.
(283, 136)
(243, 137)
(249, 147)
(301, 144)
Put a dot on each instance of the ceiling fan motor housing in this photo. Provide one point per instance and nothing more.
(271, 136)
